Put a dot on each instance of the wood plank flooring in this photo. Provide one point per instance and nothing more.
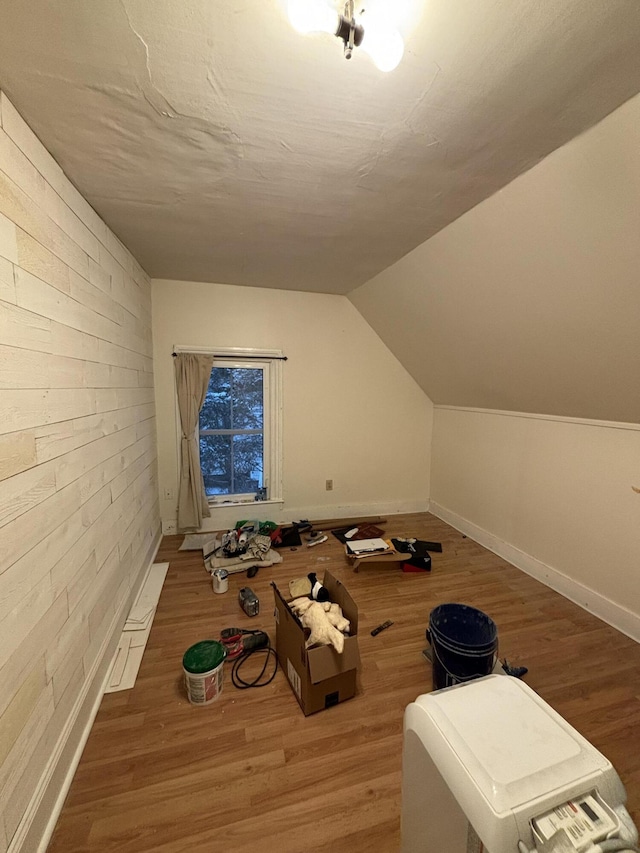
(251, 773)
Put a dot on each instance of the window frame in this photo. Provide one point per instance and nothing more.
(271, 363)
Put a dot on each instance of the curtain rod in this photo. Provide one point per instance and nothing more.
(243, 357)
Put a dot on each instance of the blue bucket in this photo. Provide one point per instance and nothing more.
(464, 644)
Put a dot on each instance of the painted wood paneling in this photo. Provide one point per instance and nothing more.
(30, 649)
(24, 491)
(8, 239)
(35, 259)
(26, 408)
(43, 748)
(17, 206)
(79, 509)
(7, 281)
(19, 710)
(17, 453)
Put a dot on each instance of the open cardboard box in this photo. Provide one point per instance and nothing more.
(319, 676)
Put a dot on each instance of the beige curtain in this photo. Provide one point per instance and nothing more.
(192, 380)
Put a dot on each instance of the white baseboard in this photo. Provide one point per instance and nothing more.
(613, 614)
(38, 822)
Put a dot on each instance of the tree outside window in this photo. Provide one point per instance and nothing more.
(232, 431)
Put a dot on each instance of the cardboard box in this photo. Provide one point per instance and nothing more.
(319, 677)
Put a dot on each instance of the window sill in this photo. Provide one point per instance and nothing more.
(225, 504)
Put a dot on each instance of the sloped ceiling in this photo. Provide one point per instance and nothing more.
(530, 302)
(220, 145)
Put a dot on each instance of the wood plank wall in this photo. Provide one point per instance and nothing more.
(79, 513)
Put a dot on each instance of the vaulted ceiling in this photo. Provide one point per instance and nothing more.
(220, 145)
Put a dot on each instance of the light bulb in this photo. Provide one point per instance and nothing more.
(384, 46)
(312, 16)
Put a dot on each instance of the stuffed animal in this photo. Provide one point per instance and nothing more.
(336, 617)
(320, 622)
(318, 592)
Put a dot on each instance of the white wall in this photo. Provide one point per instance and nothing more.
(79, 517)
(553, 496)
(351, 412)
(530, 301)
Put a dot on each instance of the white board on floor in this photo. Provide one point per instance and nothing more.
(133, 641)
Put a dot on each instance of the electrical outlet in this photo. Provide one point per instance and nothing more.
(168, 494)
(329, 485)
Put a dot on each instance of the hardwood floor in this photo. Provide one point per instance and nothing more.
(251, 773)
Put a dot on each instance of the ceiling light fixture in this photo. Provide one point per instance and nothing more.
(380, 40)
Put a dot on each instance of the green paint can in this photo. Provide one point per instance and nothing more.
(203, 664)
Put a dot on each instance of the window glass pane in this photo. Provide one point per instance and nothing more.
(215, 460)
(246, 398)
(234, 399)
(232, 461)
(216, 411)
(231, 465)
(247, 463)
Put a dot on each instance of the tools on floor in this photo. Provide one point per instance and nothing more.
(239, 641)
(249, 601)
(240, 645)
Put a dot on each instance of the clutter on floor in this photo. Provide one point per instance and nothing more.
(228, 552)
(133, 640)
(316, 624)
(318, 674)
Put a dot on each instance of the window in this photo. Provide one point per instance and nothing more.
(239, 429)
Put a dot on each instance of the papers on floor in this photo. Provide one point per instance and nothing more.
(367, 546)
(133, 640)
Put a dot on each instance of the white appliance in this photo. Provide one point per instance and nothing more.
(489, 767)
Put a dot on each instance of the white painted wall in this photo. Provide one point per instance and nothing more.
(553, 496)
(351, 412)
(79, 517)
(530, 301)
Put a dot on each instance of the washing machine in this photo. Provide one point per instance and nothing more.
(489, 767)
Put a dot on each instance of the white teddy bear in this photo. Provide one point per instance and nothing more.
(325, 621)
